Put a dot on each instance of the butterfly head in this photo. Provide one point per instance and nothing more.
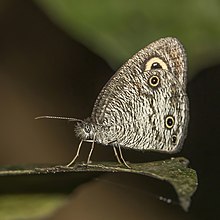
(85, 130)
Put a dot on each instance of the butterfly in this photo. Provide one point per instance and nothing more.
(144, 105)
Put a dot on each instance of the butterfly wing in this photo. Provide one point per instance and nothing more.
(144, 105)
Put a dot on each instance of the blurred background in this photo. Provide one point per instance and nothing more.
(55, 56)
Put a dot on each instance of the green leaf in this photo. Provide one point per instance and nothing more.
(175, 171)
(117, 29)
(29, 206)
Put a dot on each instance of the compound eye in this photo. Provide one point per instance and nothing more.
(87, 128)
(169, 121)
(154, 81)
(155, 63)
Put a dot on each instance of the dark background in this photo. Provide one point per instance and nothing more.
(45, 71)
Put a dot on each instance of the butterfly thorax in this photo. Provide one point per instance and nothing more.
(89, 130)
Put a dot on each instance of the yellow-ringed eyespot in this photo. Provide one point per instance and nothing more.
(155, 63)
(154, 81)
(169, 121)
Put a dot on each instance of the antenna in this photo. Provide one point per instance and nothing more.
(57, 117)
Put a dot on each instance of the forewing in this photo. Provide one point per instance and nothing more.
(133, 111)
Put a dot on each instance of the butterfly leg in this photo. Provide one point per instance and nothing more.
(122, 158)
(90, 153)
(77, 154)
(116, 155)
(91, 150)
